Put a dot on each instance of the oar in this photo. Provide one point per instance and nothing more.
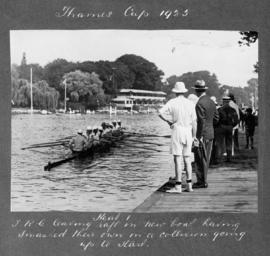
(133, 146)
(123, 142)
(145, 142)
(48, 143)
(148, 135)
(51, 165)
(66, 138)
(89, 166)
(44, 146)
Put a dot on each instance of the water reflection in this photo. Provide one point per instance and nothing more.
(116, 181)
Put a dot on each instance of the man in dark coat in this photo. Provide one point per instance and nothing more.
(228, 119)
(207, 115)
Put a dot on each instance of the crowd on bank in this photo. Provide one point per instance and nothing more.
(202, 127)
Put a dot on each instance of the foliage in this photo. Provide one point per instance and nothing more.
(191, 77)
(256, 67)
(243, 95)
(85, 88)
(248, 37)
(54, 71)
(146, 74)
(44, 97)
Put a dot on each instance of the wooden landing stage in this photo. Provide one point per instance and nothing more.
(232, 188)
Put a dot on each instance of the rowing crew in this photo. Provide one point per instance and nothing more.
(95, 136)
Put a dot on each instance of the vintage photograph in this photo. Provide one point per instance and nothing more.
(134, 121)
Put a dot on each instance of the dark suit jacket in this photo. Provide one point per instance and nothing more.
(228, 116)
(207, 116)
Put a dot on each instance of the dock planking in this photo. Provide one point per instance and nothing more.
(232, 188)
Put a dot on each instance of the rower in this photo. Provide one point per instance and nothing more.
(104, 127)
(95, 136)
(115, 126)
(100, 129)
(119, 127)
(107, 132)
(78, 143)
(89, 134)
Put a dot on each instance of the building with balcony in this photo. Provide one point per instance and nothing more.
(128, 98)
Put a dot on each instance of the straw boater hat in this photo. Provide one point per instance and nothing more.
(200, 85)
(179, 87)
(80, 131)
(89, 128)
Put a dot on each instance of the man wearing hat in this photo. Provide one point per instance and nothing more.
(207, 116)
(182, 120)
(78, 143)
(228, 119)
(233, 104)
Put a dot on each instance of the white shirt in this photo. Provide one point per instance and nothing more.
(233, 105)
(181, 110)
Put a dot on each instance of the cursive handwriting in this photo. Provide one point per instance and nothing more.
(72, 12)
(132, 11)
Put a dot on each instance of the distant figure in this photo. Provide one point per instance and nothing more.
(214, 99)
(233, 104)
(183, 124)
(193, 98)
(228, 119)
(207, 116)
(250, 123)
(78, 143)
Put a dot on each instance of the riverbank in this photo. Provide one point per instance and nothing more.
(16, 111)
(232, 188)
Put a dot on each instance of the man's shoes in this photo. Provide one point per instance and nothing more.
(176, 190)
(200, 185)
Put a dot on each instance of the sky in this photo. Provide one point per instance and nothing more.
(173, 51)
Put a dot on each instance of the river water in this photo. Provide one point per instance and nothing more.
(119, 180)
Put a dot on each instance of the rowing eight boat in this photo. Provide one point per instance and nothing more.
(103, 146)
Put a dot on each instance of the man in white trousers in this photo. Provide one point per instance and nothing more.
(180, 114)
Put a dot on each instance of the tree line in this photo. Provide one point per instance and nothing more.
(93, 84)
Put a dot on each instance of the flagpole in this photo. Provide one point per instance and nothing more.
(65, 95)
(31, 89)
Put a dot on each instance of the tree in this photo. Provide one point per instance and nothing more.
(114, 75)
(253, 91)
(54, 71)
(249, 37)
(84, 88)
(146, 74)
(44, 97)
(241, 95)
(190, 78)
